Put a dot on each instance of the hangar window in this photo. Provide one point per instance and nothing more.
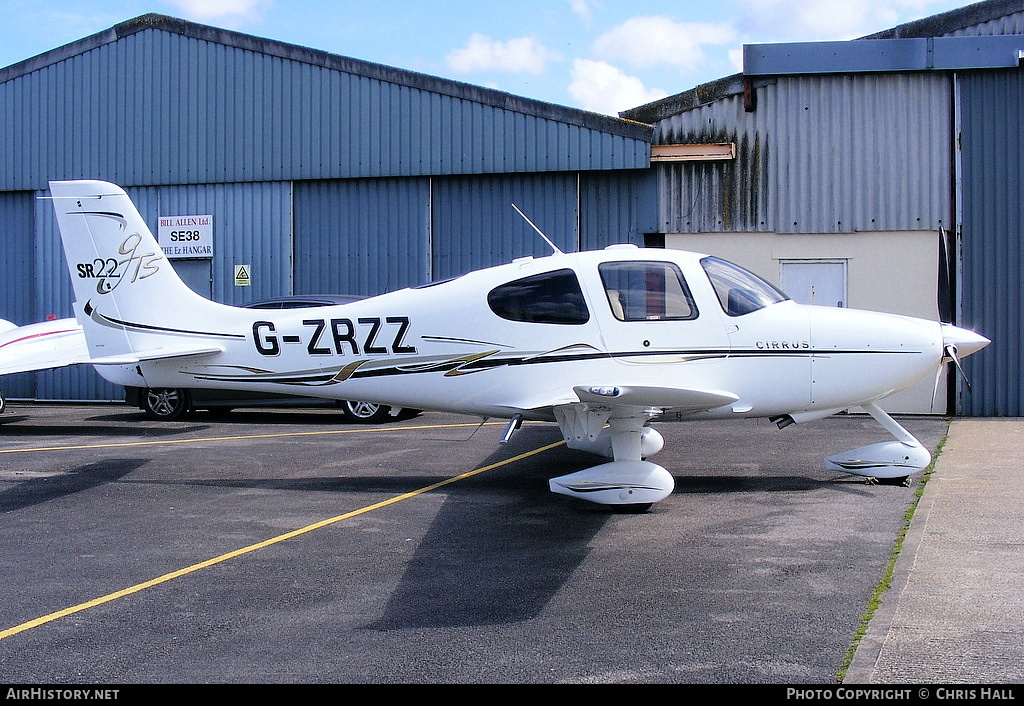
(647, 291)
(549, 298)
(739, 291)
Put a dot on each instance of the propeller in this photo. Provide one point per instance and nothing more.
(946, 290)
(957, 343)
(950, 355)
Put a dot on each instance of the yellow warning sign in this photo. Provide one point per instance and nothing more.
(242, 276)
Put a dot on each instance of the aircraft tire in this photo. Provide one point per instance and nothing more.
(365, 412)
(165, 404)
(899, 481)
(632, 508)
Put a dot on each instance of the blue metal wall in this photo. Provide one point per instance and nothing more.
(361, 236)
(252, 225)
(992, 240)
(17, 277)
(475, 225)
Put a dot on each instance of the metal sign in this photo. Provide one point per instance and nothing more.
(186, 236)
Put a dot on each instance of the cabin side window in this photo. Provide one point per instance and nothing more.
(548, 298)
(647, 291)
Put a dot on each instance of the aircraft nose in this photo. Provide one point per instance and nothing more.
(963, 340)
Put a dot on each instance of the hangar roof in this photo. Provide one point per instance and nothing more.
(401, 77)
(160, 100)
(832, 55)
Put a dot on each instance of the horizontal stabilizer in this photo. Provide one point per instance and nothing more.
(155, 354)
(40, 346)
(648, 396)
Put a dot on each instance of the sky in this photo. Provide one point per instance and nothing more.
(598, 55)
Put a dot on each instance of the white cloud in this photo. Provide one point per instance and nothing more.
(661, 41)
(736, 59)
(520, 55)
(227, 12)
(584, 9)
(814, 20)
(602, 88)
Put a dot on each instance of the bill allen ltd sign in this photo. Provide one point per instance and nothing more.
(186, 236)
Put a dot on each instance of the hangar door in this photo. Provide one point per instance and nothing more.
(369, 236)
(991, 106)
(474, 224)
(361, 236)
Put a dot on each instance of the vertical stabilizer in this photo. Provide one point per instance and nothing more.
(127, 296)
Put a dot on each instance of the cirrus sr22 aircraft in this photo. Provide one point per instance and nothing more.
(601, 343)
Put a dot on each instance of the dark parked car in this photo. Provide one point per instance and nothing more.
(174, 403)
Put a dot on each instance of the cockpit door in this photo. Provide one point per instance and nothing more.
(649, 314)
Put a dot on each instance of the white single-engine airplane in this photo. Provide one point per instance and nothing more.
(600, 342)
(53, 343)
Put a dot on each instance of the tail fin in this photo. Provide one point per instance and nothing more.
(129, 300)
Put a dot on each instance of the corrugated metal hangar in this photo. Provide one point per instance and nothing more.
(831, 168)
(842, 165)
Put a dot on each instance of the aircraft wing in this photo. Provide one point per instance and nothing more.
(681, 399)
(166, 352)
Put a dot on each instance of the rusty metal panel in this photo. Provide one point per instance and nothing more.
(822, 154)
(720, 195)
(862, 153)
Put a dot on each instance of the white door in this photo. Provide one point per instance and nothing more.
(820, 282)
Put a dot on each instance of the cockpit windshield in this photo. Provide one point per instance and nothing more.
(739, 291)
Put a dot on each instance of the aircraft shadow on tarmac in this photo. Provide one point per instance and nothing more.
(502, 545)
(492, 562)
(11, 429)
(41, 489)
(507, 560)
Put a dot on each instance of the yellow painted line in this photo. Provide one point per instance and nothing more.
(155, 442)
(260, 545)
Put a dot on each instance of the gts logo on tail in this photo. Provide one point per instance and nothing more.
(111, 271)
(337, 336)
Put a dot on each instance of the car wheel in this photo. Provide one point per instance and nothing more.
(365, 412)
(165, 404)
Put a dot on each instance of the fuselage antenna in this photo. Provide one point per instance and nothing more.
(539, 231)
